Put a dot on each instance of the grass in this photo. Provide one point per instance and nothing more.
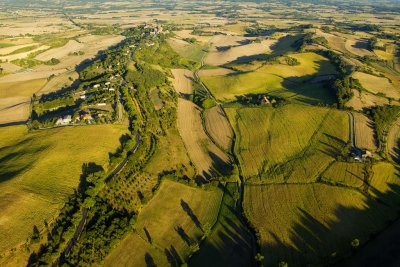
(294, 143)
(217, 125)
(344, 173)
(377, 85)
(192, 51)
(230, 243)
(40, 169)
(22, 88)
(177, 215)
(5, 45)
(314, 224)
(24, 49)
(385, 176)
(277, 79)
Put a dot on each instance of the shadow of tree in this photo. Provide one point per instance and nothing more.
(324, 241)
(190, 213)
(185, 237)
(149, 260)
(173, 257)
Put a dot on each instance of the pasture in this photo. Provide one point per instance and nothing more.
(365, 99)
(278, 80)
(311, 224)
(385, 183)
(192, 51)
(174, 220)
(208, 159)
(281, 144)
(39, 170)
(217, 125)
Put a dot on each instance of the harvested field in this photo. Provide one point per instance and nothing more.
(183, 81)
(344, 173)
(60, 52)
(335, 42)
(365, 99)
(311, 224)
(174, 218)
(24, 54)
(8, 50)
(34, 176)
(364, 131)
(217, 125)
(294, 143)
(358, 47)
(377, 85)
(234, 53)
(214, 72)
(9, 67)
(59, 81)
(205, 155)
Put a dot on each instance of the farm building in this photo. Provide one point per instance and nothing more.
(65, 120)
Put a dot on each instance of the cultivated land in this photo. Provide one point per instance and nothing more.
(303, 217)
(276, 181)
(217, 125)
(205, 155)
(171, 223)
(40, 170)
(278, 80)
(282, 144)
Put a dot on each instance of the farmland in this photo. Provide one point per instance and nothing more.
(197, 133)
(279, 155)
(34, 175)
(308, 214)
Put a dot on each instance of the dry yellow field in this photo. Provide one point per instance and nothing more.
(365, 99)
(215, 72)
(58, 82)
(217, 125)
(358, 47)
(9, 50)
(202, 151)
(60, 52)
(377, 85)
(183, 81)
(23, 55)
(364, 132)
(216, 58)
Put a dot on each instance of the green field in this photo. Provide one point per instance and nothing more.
(280, 80)
(40, 169)
(192, 51)
(346, 174)
(311, 225)
(294, 143)
(230, 243)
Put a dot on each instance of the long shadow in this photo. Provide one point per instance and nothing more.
(185, 206)
(173, 257)
(323, 240)
(15, 123)
(149, 260)
(185, 237)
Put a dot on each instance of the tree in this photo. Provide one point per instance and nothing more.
(259, 257)
(35, 235)
(355, 243)
(283, 264)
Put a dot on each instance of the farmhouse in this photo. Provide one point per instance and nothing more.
(265, 101)
(64, 121)
(101, 104)
(96, 86)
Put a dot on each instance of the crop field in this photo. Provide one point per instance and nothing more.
(15, 99)
(35, 177)
(311, 224)
(385, 183)
(364, 99)
(278, 144)
(344, 173)
(214, 72)
(393, 142)
(229, 243)
(60, 52)
(278, 79)
(377, 85)
(183, 81)
(364, 131)
(205, 155)
(217, 125)
(58, 81)
(191, 51)
(358, 47)
(175, 218)
(235, 53)
(334, 42)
